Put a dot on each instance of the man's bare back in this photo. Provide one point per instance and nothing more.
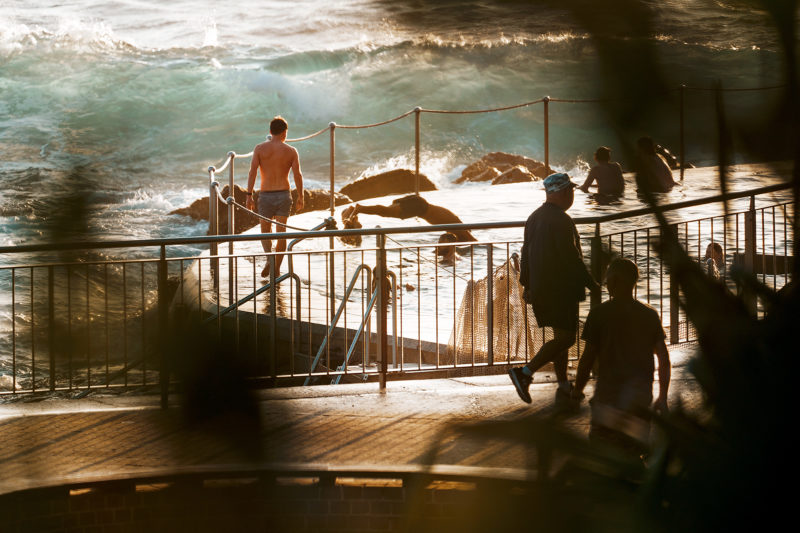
(274, 158)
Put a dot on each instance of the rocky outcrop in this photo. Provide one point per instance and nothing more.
(516, 174)
(317, 200)
(314, 200)
(673, 161)
(198, 210)
(398, 181)
(493, 164)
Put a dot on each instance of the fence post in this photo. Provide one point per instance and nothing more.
(231, 271)
(381, 280)
(674, 308)
(213, 226)
(273, 322)
(750, 252)
(682, 145)
(51, 318)
(417, 111)
(231, 207)
(596, 264)
(163, 309)
(332, 126)
(331, 272)
(489, 305)
(546, 101)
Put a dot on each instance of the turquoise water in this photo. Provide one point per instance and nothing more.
(112, 111)
(124, 104)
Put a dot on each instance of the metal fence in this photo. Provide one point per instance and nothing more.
(80, 325)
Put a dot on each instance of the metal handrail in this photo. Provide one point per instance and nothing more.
(257, 292)
(204, 239)
(364, 320)
(348, 291)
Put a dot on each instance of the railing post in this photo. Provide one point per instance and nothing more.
(674, 307)
(231, 271)
(163, 309)
(417, 111)
(273, 322)
(332, 126)
(231, 207)
(750, 252)
(381, 280)
(213, 226)
(546, 101)
(331, 272)
(51, 318)
(596, 265)
(682, 145)
(489, 305)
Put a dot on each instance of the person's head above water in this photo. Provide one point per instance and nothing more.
(602, 154)
(560, 190)
(446, 252)
(621, 277)
(646, 145)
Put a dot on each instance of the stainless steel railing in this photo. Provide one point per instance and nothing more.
(95, 325)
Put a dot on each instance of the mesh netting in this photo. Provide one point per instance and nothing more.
(516, 336)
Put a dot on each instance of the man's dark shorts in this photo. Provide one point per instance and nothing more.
(273, 204)
(560, 315)
(411, 206)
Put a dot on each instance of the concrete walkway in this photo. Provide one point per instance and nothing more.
(51, 441)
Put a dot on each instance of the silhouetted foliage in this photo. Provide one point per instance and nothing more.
(732, 466)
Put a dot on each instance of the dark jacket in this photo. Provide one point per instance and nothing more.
(552, 266)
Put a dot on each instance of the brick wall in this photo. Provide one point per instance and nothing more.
(252, 505)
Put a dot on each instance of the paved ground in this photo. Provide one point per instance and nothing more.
(51, 440)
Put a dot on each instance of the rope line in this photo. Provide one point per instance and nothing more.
(240, 206)
(572, 101)
(404, 115)
(420, 257)
(320, 132)
(737, 90)
(475, 111)
(492, 110)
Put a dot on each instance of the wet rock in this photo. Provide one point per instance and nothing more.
(198, 210)
(318, 200)
(673, 161)
(398, 181)
(493, 164)
(516, 174)
(314, 199)
(478, 171)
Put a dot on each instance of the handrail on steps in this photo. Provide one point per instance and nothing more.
(348, 291)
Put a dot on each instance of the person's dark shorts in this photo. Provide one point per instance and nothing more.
(411, 206)
(274, 203)
(561, 315)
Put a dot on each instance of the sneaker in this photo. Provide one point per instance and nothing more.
(521, 382)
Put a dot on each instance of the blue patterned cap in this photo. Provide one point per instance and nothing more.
(556, 182)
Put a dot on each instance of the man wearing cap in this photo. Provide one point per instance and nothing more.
(554, 278)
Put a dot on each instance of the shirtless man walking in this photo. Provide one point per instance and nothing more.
(274, 158)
